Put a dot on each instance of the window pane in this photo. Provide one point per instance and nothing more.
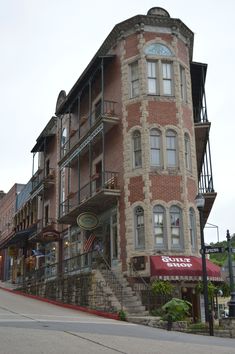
(171, 158)
(151, 69)
(152, 86)
(167, 87)
(155, 158)
(166, 71)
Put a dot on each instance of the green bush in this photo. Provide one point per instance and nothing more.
(176, 310)
(162, 287)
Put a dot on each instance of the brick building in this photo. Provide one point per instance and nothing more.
(123, 160)
(7, 212)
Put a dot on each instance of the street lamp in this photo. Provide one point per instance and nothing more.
(200, 203)
(231, 303)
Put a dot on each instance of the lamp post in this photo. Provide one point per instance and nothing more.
(200, 203)
(231, 303)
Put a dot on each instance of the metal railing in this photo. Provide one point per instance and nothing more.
(71, 282)
(41, 176)
(104, 180)
(87, 121)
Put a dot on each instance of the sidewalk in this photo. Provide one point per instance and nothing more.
(8, 285)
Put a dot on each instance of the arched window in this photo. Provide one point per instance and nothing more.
(192, 228)
(139, 227)
(158, 49)
(159, 225)
(176, 226)
(137, 158)
(155, 147)
(171, 148)
(187, 152)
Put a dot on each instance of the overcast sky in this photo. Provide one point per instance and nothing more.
(45, 46)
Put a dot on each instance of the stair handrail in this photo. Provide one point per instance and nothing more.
(113, 274)
(132, 268)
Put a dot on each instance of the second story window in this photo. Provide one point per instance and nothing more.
(134, 80)
(155, 147)
(139, 227)
(192, 228)
(171, 148)
(137, 158)
(176, 226)
(159, 221)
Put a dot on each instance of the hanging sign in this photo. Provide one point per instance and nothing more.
(87, 221)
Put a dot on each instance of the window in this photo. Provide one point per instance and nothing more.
(64, 138)
(167, 79)
(159, 78)
(139, 227)
(155, 147)
(134, 79)
(62, 192)
(183, 90)
(187, 152)
(152, 78)
(171, 148)
(158, 222)
(192, 228)
(137, 159)
(175, 218)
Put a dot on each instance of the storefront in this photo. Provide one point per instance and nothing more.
(184, 272)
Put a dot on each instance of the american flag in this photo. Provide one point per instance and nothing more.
(89, 242)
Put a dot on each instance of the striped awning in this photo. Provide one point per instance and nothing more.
(182, 268)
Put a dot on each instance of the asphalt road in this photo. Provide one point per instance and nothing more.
(30, 326)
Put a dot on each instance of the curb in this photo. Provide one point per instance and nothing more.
(112, 316)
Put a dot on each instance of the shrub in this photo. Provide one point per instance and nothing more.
(176, 310)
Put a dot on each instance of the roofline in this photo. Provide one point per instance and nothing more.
(118, 32)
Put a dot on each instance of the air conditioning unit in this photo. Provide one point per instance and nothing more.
(139, 262)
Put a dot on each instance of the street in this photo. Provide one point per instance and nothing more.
(30, 326)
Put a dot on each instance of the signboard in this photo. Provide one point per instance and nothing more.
(87, 221)
(211, 249)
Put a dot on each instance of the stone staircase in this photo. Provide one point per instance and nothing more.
(120, 293)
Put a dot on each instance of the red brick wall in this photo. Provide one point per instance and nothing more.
(183, 52)
(187, 118)
(133, 114)
(166, 188)
(136, 186)
(192, 189)
(148, 36)
(131, 46)
(163, 113)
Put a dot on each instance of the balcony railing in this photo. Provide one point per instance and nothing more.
(105, 181)
(87, 122)
(41, 177)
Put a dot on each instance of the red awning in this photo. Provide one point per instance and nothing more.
(178, 267)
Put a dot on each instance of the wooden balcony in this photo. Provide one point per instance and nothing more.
(94, 197)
